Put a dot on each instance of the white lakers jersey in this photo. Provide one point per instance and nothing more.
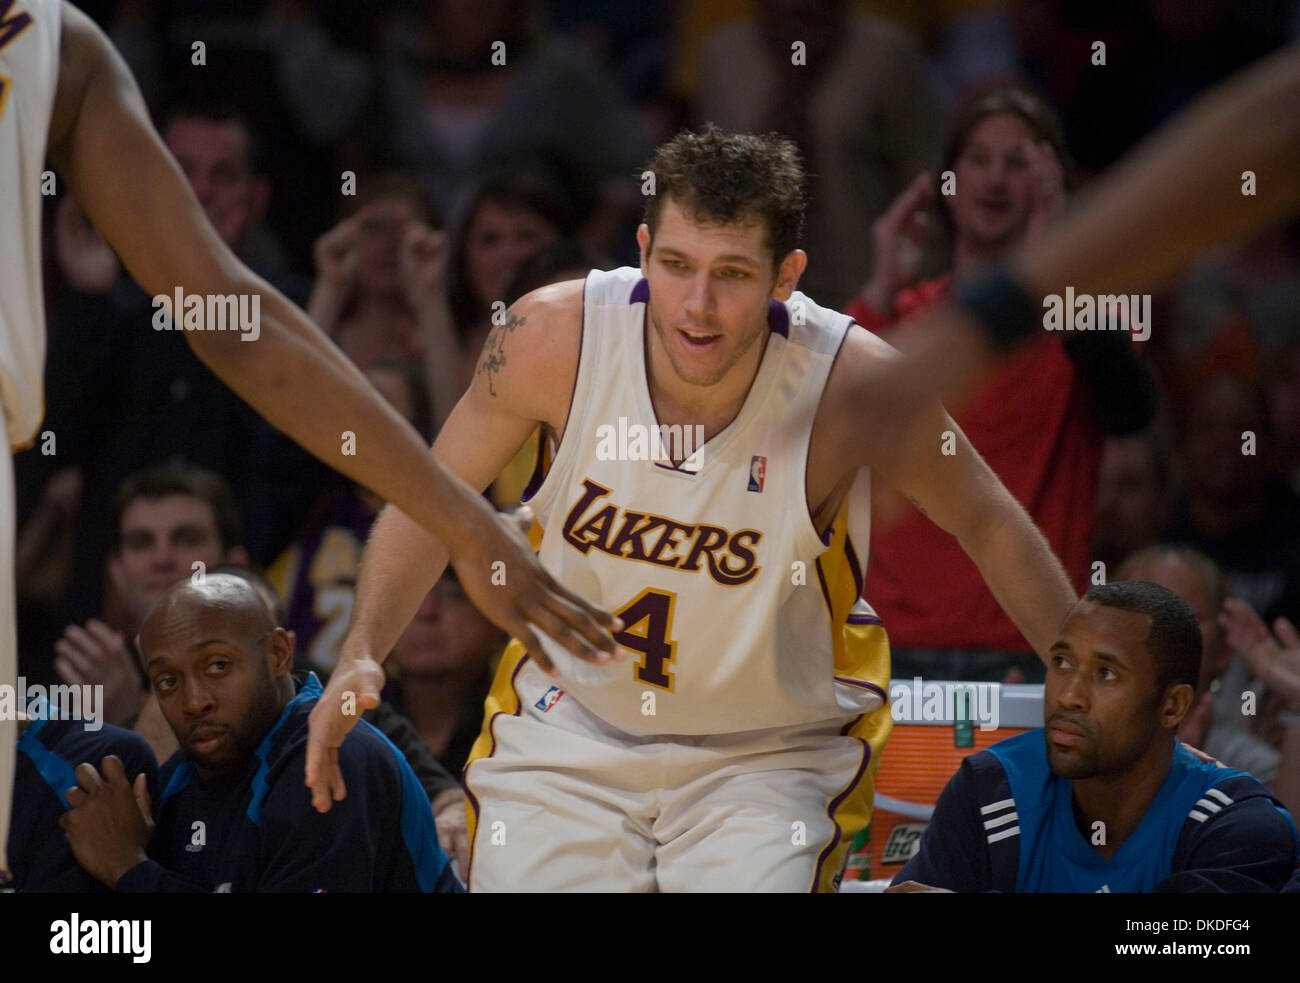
(29, 73)
(738, 614)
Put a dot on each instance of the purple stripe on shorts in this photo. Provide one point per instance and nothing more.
(835, 803)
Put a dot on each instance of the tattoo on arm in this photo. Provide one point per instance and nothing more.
(494, 349)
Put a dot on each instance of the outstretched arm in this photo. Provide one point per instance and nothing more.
(1147, 219)
(924, 455)
(104, 145)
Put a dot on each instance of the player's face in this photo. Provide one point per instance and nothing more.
(214, 157)
(1100, 710)
(161, 540)
(710, 286)
(216, 688)
(447, 634)
(379, 238)
(497, 241)
(994, 189)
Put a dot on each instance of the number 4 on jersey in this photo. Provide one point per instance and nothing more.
(648, 621)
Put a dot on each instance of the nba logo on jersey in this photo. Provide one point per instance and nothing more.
(549, 699)
(757, 471)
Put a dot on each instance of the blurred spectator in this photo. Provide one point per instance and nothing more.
(507, 221)
(1232, 509)
(473, 88)
(1038, 420)
(317, 574)
(856, 99)
(1274, 658)
(1213, 723)
(444, 662)
(1134, 495)
(381, 285)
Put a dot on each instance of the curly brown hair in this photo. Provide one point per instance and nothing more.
(715, 176)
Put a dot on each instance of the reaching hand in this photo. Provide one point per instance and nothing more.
(86, 259)
(1273, 658)
(452, 820)
(422, 260)
(338, 254)
(502, 576)
(896, 237)
(353, 688)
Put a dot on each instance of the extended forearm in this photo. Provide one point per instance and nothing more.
(1023, 573)
(298, 379)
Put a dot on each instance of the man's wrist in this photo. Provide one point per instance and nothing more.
(115, 877)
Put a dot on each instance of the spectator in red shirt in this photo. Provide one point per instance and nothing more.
(1039, 419)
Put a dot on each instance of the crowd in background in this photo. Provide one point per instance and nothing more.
(399, 167)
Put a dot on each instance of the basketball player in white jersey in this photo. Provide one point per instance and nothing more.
(65, 90)
(565, 799)
(732, 747)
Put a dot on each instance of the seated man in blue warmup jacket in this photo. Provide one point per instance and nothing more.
(234, 814)
(1105, 798)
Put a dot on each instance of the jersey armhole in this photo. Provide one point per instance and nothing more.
(540, 488)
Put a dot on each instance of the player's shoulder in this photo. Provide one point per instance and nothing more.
(530, 357)
(860, 355)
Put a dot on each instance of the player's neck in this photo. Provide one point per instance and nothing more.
(1119, 802)
(677, 402)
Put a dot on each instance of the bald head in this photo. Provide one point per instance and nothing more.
(221, 600)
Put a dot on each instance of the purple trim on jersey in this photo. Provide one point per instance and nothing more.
(539, 472)
(865, 619)
(778, 318)
(835, 802)
(640, 293)
(826, 591)
(854, 566)
(464, 776)
(864, 684)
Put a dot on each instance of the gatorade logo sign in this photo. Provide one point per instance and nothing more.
(904, 840)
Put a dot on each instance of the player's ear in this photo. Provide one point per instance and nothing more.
(1176, 704)
(643, 242)
(281, 654)
(788, 273)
